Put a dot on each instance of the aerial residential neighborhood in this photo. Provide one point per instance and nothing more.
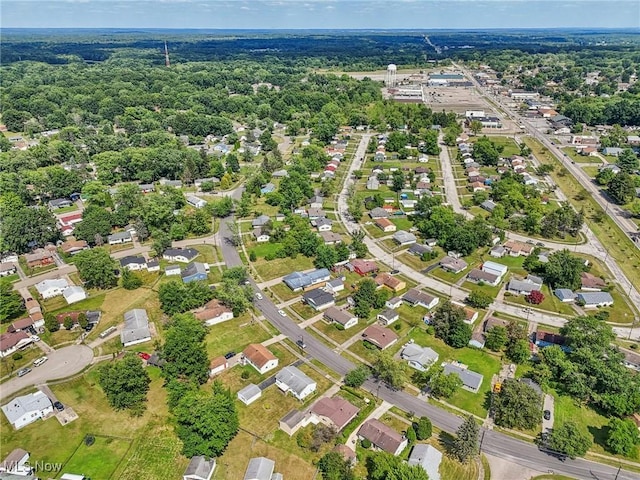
(281, 256)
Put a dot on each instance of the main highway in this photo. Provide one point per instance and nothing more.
(492, 442)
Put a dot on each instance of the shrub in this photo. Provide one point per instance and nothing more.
(269, 256)
(89, 440)
(245, 374)
(252, 256)
(17, 356)
(397, 327)
(365, 443)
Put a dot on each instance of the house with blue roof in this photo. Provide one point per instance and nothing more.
(268, 188)
(297, 281)
(194, 272)
(564, 295)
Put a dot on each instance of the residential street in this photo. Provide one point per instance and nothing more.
(497, 444)
(62, 363)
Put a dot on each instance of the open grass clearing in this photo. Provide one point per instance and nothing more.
(283, 292)
(279, 267)
(99, 460)
(304, 310)
(234, 335)
(263, 249)
(338, 335)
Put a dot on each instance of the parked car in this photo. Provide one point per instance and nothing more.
(39, 361)
(58, 406)
(259, 296)
(229, 355)
(540, 244)
(301, 344)
(282, 313)
(23, 371)
(144, 355)
(547, 415)
(35, 338)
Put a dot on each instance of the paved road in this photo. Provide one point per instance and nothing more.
(62, 363)
(616, 213)
(494, 443)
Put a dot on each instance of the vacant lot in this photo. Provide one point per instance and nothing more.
(234, 335)
(99, 460)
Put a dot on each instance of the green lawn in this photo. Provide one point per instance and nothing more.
(208, 254)
(486, 288)
(100, 459)
(283, 292)
(510, 146)
(447, 276)
(263, 249)
(281, 266)
(13, 363)
(234, 335)
(402, 223)
(415, 262)
(477, 360)
(550, 303)
(304, 310)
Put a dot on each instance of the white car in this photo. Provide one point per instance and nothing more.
(35, 338)
(40, 361)
(259, 296)
(282, 313)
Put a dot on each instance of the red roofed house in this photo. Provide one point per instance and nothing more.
(218, 364)
(385, 225)
(591, 282)
(74, 246)
(379, 336)
(67, 223)
(382, 437)
(335, 412)
(214, 312)
(10, 342)
(391, 282)
(259, 357)
(363, 267)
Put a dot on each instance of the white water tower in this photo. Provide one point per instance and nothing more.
(392, 70)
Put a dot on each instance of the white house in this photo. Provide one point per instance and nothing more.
(12, 341)
(171, 270)
(249, 394)
(182, 255)
(22, 411)
(494, 268)
(217, 365)
(196, 202)
(51, 288)
(341, 317)
(213, 313)
(428, 457)
(420, 358)
(119, 237)
(291, 379)
(259, 357)
(199, 468)
(136, 327)
(260, 235)
(17, 463)
(594, 299)
(74, 294)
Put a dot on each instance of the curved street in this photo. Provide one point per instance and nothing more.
(61, 363)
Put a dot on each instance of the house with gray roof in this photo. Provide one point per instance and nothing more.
(292, 379)
(382, 436)
(249, 394)
(564, 295)
(388, 316)
(136, 327)
(453, 265)
(470, 380)
(318, 299)
(182, 255)
(417, 297)
(526, 286)
(594, 299)
(476, 276)
(420, 358)
(418, 250)
(378, 212)
(26, 409)
(488, 205)
(199, 468)
(428, 457)
(119, 237)
(260, 221)
(402, 237)
(261, 468)
(341, 317)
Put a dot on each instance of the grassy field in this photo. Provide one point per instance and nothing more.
(281, 266)
(283, 292)
(619, 246)
(304, 310)
(148, 457)
(263, 249)
(99, 460)
(11, 364)
(234, 335)
(337, 335)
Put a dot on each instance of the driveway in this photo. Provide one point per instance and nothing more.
(548, 405)
(62, 363)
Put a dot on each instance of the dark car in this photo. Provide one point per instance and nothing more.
(540, 244)
(58, 406)
(394, 272)
(229, 355)
(301, 344)
(547, 415)
(23, 371)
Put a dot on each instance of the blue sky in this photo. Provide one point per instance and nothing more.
(304, 14)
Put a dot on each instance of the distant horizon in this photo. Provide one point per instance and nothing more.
(328, 14)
